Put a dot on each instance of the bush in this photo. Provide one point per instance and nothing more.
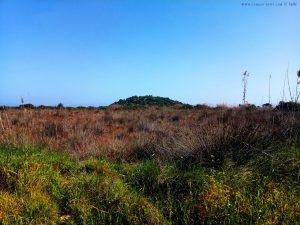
(288, 106)
(60, 105)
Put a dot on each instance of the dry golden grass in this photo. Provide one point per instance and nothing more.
(168, 133)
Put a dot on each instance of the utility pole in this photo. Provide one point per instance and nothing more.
(270, 89)
(245, 81)
(288, 81)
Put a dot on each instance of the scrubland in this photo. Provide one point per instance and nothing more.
(149, 165)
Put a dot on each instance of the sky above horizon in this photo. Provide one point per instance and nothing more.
(97, 52)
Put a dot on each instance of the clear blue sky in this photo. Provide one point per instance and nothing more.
(90, 52)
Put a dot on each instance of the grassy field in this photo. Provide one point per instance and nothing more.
(149, 166)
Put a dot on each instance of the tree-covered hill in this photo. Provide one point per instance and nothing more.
(147, 100)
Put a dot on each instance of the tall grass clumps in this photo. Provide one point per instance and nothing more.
(42, 187)
(38, 186)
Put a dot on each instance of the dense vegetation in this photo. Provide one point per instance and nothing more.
(147, 100)
(149, 166)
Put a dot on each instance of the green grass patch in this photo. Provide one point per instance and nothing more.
(45, 187)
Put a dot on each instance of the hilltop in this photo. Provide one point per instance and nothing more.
(147, 100)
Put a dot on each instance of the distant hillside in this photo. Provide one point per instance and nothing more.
(147, 100)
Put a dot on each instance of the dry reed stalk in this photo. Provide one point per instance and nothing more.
(1, 122)
(298, 82)
(245, 81)
(8, 124)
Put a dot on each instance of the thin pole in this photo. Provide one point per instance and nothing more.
(288, 79)
(270, 89)
(296, 96)
(283, 89)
